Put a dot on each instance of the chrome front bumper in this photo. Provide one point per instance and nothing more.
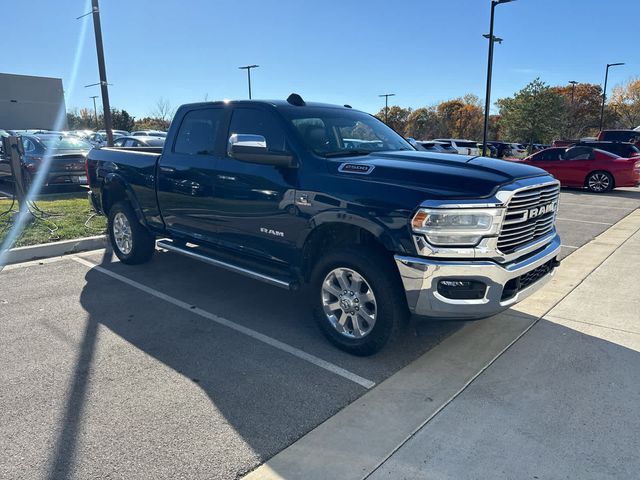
(421, 277)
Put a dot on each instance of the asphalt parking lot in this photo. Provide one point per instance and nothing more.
(176, 369)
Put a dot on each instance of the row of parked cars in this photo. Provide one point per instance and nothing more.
(611, 160)
(68, 151)
(470, 147)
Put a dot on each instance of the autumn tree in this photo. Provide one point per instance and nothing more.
(421, 123)
(495, 128)
(82, 119)
(121, 120)
(581, 109)
(533, 115)
(625, 103)
(151, 123)
(396, 117)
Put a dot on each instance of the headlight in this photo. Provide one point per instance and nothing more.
(464, 227)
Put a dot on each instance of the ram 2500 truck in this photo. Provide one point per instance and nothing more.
(328, 198)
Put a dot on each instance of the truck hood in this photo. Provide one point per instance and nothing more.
(439, 174)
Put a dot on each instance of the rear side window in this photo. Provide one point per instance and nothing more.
(198, 132)
(259, 122)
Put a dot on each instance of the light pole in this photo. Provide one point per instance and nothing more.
(386, 104)
(102, 69)
(95, 110)
(248, 69)
(573, 88)
(604, 90)
(487, 102)
(573, 84)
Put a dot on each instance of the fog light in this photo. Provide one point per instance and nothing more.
(457, 289)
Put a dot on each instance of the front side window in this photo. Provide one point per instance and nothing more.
(249, 121)
(198, 132)
(334, 132)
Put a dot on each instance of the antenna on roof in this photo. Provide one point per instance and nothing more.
(295, 99)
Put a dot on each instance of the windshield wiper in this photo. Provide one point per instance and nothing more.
(347, 153)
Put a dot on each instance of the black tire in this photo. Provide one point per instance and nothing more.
(599, 182)
(142, 242)
(381, 275)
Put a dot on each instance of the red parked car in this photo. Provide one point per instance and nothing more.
(582, 166)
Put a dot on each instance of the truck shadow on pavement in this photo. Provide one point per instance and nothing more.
(266, 399)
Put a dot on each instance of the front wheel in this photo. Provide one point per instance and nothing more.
(357, 298)
(132, 242)
(599, 182)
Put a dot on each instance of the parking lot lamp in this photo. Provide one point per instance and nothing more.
(487, 102)
(604, 90)
(95, 9)
(386, 104)
(95, 110)
(573, 84)
(248, 69)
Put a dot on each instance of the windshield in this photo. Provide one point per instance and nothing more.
(56, 142)
(333, 132)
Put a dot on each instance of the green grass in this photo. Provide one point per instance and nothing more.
(64, 218)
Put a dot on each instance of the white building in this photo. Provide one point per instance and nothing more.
(30, 102)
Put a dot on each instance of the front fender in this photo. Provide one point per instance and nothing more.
(390, 238)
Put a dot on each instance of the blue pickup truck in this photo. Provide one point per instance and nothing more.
(331, 201)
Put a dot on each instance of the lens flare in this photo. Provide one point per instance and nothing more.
(23, 215)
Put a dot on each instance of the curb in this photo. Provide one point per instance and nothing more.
(55, 249)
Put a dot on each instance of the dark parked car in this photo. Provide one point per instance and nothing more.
(434, 146)
(67, 164)
(632, 136)
(502, 149)
(622, 149)
(303, 194)
(139, 141)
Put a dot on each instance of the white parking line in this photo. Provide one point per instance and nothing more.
(583, 221)
(229, 324)
(586, 205)
(570, 246)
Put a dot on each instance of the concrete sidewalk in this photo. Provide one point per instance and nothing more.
(562, 402)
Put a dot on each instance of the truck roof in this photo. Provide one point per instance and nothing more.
(293, 100)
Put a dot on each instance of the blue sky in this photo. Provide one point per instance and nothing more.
(336, 51)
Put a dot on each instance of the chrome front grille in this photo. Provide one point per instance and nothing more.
(524, 222)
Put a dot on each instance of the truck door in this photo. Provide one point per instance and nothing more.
(255, 211)
(187, 174)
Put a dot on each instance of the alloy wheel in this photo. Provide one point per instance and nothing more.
(349, 303)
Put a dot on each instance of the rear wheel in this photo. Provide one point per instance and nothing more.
(357, 299)
(131, 241)
(599, 182)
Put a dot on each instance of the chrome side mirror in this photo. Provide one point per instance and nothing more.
(253, 149)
